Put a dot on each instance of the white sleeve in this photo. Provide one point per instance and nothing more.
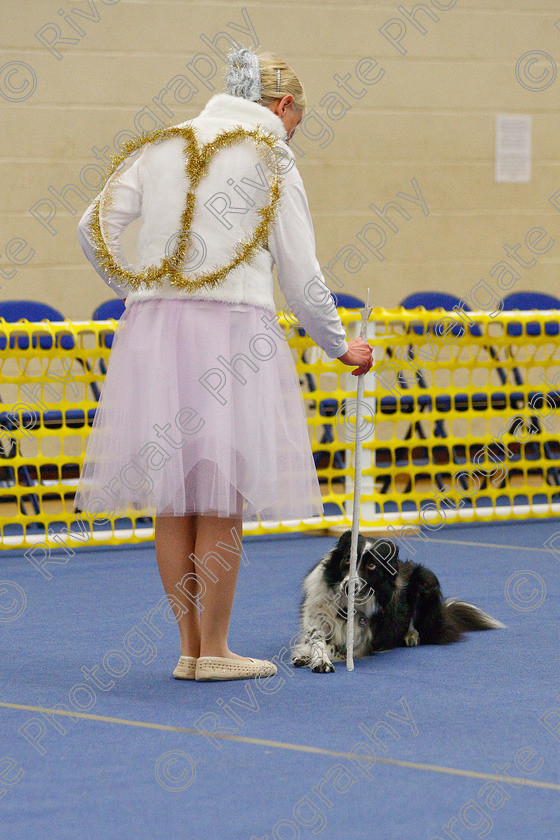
(292, 245)
(126, 205)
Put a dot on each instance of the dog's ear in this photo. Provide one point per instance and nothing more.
(386, 553)
(344, 545)
(341, 549)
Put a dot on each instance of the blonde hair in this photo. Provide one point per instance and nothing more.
(277, 80)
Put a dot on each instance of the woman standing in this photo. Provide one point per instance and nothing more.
(201, 419)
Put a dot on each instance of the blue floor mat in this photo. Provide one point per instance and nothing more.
(439, 725)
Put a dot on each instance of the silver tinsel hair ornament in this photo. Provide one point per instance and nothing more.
(244, 75)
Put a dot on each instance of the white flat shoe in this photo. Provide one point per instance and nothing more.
(186, 668)
(220, 668)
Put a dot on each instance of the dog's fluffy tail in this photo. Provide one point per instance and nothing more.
(461, 617)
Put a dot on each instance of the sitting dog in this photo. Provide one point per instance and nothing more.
(397, 603)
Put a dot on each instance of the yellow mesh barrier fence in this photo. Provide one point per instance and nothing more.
(461, 424)
(466, 425)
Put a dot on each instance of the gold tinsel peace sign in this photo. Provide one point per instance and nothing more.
(196, 164)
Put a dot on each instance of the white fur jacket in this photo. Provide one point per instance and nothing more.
(227, 200)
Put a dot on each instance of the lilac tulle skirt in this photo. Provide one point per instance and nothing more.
(200, 412)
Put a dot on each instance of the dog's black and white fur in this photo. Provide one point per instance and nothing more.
(397, 604)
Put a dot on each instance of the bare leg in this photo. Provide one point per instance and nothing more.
(175, 538)
(217, 600)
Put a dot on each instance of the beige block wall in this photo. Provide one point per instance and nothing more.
(419, 123)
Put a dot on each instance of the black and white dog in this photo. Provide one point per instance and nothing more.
(397, 603)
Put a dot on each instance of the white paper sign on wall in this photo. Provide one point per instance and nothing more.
(513, 148)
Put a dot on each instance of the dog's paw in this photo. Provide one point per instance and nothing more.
(322, 668)
(337, 656)
(299, 661)
(412, 638)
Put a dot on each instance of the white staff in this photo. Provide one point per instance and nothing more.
(365, 312)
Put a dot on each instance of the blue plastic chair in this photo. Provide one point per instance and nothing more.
(113, 308)
(105, 312)
(527, 301)
(431, 301)
(13, 311)
(329, 407)
(347, 301)
(31, 310)
(499, 400)
(341, 301)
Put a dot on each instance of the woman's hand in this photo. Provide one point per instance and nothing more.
(359, 353)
